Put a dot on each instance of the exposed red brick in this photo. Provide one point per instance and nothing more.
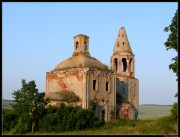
(77, 53)
(59, 80)
(126, 112)
(62, 84)
(78, 75)
(51, 76)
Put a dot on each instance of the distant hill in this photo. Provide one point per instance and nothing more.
(153, 105)
(6, 103)
(7, 100)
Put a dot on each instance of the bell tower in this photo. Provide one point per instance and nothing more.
(127, 86)
(122, 60)
(81, 45)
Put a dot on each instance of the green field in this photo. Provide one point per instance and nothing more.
(145, 111)
(153, 111)
(6, 104)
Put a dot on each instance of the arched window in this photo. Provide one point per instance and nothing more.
(77, 44)
(124, 63)
(107, 86)
(85, 45)
(116, 64)
(94, 84)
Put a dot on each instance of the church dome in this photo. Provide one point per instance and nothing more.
(80, 60)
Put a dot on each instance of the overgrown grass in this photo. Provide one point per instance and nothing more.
(125, 127)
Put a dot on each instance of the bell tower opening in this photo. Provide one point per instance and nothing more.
(124, 65)
(85, 45)
(77, 44)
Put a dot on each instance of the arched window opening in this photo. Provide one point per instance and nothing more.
(124, 63)
(107, 86)
(77, 44)
(116, 64)
(94, 84)
(85, 45)
(130, 62)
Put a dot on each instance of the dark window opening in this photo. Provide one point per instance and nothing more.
(107, 84)
(116, 64)
(85, 46)
(123, 43)
(77, 45)
(94, 84)
(122, 35)
(124, 63)
(103, 115)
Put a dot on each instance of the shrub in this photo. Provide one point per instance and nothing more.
(165, 124)
(10, 119)
(67, 118)
(23, 126)
(48, 123)
(174, 112)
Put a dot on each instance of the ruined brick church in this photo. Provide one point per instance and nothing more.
(115, 91)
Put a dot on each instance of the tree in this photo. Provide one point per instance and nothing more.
(172, 41)
(29, 105)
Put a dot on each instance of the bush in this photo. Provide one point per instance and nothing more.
(10, 120)
(23, 126)
(165, 124)
(174, 112)
(67, 118)
(51, 109)
(48, 123)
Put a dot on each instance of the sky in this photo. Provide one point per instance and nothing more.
(37, 36)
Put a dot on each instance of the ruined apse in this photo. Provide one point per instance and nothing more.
(114, 90)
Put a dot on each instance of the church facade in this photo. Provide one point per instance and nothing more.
(114, 91)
